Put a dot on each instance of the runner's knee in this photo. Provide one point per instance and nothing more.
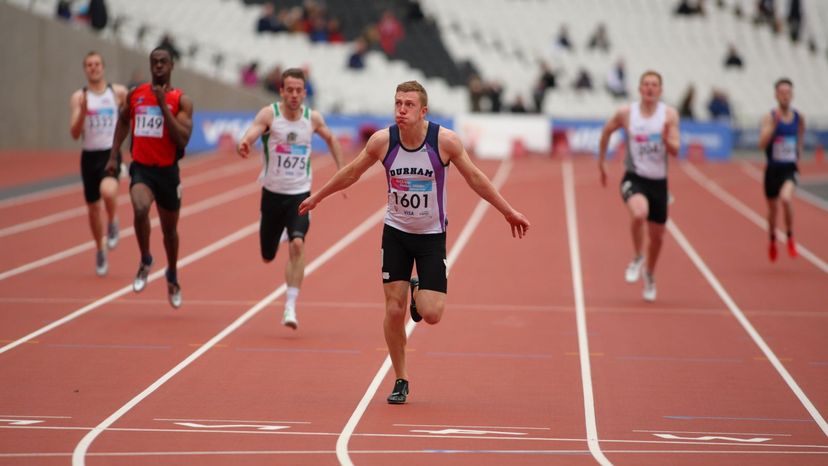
(296, 246)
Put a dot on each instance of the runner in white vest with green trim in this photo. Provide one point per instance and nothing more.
(286, 128)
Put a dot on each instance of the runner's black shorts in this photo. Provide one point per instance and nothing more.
(776, 175)
(280, 212)
(401, 250)
(164, 182)
(654, 190)
(93, 171)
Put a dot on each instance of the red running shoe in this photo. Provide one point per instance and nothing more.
(792, 248)
(772, 251)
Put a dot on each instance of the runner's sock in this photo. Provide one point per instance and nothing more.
(292, 294)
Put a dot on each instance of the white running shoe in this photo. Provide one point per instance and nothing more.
(289, 318)
(112, 235)
(101, 264)
(174, 294)
(649, 293)
(141, 277)
(634, 269)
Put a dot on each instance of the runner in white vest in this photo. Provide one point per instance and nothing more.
(652, 132)
(94, 113)
(416, 154)
(286, 129)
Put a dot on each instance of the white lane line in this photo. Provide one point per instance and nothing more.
(188, 182)
(231, 420)
(79, 454)
(759, 176)
(472, 427)
(740, 317)
(43, 194)
(208, 203)
(398, 452)
(201, 253)
(747, 212)
(580, 314)
(710, 433)
(477, 215)
(501, 439)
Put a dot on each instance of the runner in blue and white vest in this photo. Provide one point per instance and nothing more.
(416, 154)
(782, 137)
(286, 128)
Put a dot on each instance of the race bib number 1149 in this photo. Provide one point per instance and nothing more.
(149, 122)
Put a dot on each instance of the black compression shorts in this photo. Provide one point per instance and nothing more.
(93, 171)
(278, 212)
(776, 175)
(164, 182)
(401, 250)
(654, 190)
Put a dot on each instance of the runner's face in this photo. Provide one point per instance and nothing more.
(408, 110)
(94, 68)
(161, 66)
(293, 93)
(650, 89)
(784, 95)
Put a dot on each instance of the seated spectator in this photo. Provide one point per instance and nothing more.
(318, 31)
(390, 32)
(335, 35)
(617, 80)
(599, 39)
(250, 75)
(476, 93)
(495, 93)
(690, 7)
(719, 106)
(583, 82)
(765, 12)
(794, 19)
(562, 41)
(547, 80)
(64, 10)
(98, 16)
(686, 108)
(269, 21)
(357, 59)
(733, 59)
(518, 106)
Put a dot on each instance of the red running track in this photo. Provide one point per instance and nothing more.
(545, 355)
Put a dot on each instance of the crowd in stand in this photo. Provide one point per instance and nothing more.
(312, 18)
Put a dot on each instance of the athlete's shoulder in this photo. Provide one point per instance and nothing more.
(448, 135)
(448, 142)
(77, 95)
(378, 142)
(671, 112)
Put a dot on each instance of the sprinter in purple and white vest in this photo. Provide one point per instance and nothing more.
(416, 154)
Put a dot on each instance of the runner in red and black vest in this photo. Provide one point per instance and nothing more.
(160, 119)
